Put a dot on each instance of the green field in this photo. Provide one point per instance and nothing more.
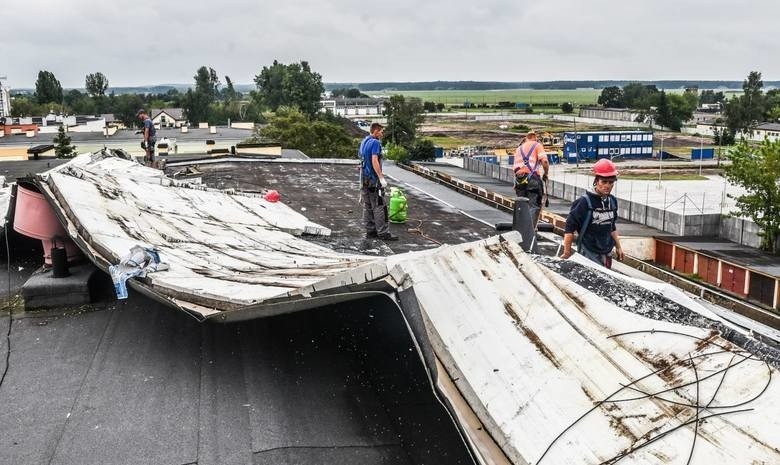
(491, 97)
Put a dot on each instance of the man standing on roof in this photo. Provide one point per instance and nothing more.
(150, 137)
(531, 168)
(593, 217)
(373, 185)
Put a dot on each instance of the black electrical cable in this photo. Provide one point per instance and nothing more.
(628, 452)
(731, 365)
(10, 304)
(698, 410)
(656, 395)
(595, 406)
(660, 370)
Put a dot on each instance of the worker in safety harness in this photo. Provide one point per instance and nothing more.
(373, 185)
(593, 217)
(531, 168)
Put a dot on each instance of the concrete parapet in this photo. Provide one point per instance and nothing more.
(740, 230)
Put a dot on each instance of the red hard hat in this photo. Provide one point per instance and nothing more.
(605, 168)
(272, 196)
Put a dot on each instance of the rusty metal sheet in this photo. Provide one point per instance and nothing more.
(558, 375)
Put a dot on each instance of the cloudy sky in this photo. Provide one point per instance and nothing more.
(165, 41)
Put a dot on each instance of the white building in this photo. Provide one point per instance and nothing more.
(770, 131)
(615, 114)
(5, 99)
(353, 106)
(168, 117)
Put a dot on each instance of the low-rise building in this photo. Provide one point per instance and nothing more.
(168, 117)
(353, 106)
(769, 131)
(616, 114)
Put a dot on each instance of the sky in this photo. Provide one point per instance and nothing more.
(142, 43)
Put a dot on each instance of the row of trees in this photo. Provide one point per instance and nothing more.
(669, 110)
(741, 113)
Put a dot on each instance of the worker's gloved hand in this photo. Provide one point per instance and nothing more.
(383, 182)
(143, 145)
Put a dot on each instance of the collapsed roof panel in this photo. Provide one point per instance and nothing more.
(559, 375)
(225, 250)
(555, 373)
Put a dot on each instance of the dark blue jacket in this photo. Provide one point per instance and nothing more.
(598, 236)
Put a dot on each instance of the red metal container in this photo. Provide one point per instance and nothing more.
(708, 269)
(35, 218)
(663, 253)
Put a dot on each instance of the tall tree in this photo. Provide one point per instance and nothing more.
(47, 88)
(611, 97)
(96, 84)
(207, 83)
(197, 103)
(663, 112)
(403, 117)
(294, 85)
(229, 94)
(757, 170)
(743, 113)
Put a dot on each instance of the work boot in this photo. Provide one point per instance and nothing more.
(371, 235)
(388, 237)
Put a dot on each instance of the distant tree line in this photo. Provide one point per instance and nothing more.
(536, 85)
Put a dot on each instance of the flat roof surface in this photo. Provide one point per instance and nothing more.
(327, 193)
(135, 382)
(747, 257)
(123, 135)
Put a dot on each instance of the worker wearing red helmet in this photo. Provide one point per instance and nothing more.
(593, 217)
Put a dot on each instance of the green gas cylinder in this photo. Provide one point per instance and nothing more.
(398, 210)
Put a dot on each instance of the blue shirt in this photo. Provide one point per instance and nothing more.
(149, 124)
(369, 147)
(598, 237)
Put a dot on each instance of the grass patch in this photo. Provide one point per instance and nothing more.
(451, 142)
(492, 97)
(664, 176)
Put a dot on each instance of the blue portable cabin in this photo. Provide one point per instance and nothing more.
(593, 145)
(702, 154)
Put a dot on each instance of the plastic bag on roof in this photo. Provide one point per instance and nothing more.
(139, 262)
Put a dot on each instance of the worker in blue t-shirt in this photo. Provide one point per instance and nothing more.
(373, 184)
(593, 217)
(150, 137)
